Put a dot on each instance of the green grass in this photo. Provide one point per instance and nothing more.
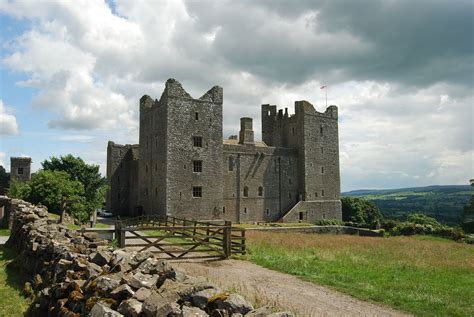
(12, 303)
(420, 275)
(4, 232)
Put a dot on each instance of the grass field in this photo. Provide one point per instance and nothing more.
(421, 275)
(12, 303)
(4, 232)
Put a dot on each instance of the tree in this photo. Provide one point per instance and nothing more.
(422, 219)
(4, 180)
(94, 184)
(52, 189)
(360, 211)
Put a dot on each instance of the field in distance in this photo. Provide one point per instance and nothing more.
(422, 275)
(445, 203)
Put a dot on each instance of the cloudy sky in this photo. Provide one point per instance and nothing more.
(401, 73)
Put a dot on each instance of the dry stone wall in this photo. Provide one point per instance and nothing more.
(79, 275)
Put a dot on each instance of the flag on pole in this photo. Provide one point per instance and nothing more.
(322, 87)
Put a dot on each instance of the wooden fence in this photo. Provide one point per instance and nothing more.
(177, 238)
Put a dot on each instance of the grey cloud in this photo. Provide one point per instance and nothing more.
(409, 42)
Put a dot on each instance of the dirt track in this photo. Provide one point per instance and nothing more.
(267, 287)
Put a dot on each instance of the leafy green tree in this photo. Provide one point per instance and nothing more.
(94, 184)
(4, 180)
(55, 190)
(360, 211)
(18, 189)
(422, 219)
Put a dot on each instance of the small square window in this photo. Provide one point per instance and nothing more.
(197, 191)
(197, 141)
(197, 166)
(20, 170)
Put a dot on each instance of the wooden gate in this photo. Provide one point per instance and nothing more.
(177, 238)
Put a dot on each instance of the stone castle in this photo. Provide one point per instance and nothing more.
(183, 167)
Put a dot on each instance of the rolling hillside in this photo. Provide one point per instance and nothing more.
(445, 203)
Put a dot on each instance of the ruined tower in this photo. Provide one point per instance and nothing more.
(20, 168)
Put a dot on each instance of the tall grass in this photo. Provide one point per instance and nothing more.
(422, 276)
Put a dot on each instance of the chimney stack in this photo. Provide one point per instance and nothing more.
(246, 131)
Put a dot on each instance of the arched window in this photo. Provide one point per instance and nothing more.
(246, 191)
(231, 163)
(260, 191)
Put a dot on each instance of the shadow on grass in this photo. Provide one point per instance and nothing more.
(12, 301)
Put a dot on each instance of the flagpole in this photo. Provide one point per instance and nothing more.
(326, 96)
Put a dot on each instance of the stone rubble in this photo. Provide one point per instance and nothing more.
(75, 275)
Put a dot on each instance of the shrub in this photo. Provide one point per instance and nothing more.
(361, 211)
(410, 228)
(330, 222)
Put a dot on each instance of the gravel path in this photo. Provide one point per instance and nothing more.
(267, 287)
(3, 239)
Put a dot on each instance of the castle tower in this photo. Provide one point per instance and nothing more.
(180, 168)
(20, 168)
(318, 148)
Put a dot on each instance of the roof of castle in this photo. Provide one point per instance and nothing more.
(236, 142)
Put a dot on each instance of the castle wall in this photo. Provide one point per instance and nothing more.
(152, 171)
(313, 211)
(189, 118)
(122, 176)
(318, 150)
(273, 169)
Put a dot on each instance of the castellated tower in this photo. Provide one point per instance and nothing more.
(180, 168)
(315, 136)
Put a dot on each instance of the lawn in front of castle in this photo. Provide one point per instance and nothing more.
(422, 275)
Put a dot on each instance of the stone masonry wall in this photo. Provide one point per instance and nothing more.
(78, 275)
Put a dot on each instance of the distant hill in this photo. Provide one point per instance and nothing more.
(445, 203)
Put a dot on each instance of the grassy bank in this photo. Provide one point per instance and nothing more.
(12, 303)
(416, 274)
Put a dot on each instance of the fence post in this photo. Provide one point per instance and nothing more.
(243, 241)
(227, 239)
(118, 232)
(122, 236)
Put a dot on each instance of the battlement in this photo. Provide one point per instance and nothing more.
(174, 89)
(304, 107)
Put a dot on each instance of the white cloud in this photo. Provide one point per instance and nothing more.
(8, 125)
(91, 66)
